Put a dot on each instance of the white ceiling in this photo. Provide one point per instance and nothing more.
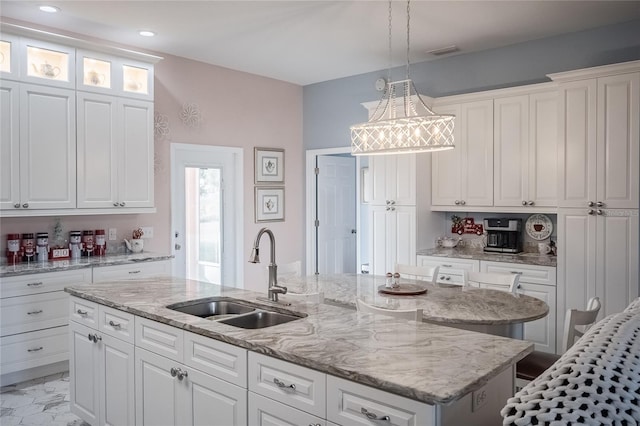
(305, 42)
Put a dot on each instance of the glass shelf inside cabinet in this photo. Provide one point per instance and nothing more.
(5, 56)
(96, 73)
(135, 79)
(45, 63)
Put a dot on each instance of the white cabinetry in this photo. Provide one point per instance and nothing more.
(525, 149)
(38, 147)
(115, 152)
(463, 177)
(538, 282)
(33, 324)
(392, 212)
(101, 368)
(131, 271)
(170, 391)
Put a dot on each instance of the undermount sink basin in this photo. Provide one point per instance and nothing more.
(260, 319)
(211, 308)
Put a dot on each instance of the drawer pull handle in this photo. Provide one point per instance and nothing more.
(81, 312)
(516, 272)
(114, 324)
(35, 312)
(35, 350)
(447, 266)
(135, 272)
(35, 284)
(281, 384)
(373, 416)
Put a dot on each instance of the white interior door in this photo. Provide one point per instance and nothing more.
(206, 205)
(336, 207)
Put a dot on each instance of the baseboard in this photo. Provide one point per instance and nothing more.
(33, 373)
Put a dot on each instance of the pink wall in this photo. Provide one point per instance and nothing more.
(238, 110)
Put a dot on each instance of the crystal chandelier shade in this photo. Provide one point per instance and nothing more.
(402, 122)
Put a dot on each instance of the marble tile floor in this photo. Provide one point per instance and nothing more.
(42, 401)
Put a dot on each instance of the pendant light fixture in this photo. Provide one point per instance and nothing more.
(402, 122)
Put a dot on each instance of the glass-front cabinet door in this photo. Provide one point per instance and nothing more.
(47, 63)
(96, 72)
(137, 80)
(9, 64)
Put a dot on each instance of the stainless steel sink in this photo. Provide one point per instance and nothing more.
(260, 319)
(212, 307)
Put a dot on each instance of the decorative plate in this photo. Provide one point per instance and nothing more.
(403, 290)
(539, 226)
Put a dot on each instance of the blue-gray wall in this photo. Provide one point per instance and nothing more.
(331, 107)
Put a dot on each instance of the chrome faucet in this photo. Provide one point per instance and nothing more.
(274, 288)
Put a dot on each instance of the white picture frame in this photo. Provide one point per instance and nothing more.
(269, 165)
(269, 205)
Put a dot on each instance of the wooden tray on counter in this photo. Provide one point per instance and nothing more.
(403, 290)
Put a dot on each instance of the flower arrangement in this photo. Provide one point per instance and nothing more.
(137, 233)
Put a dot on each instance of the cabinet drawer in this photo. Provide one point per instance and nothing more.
(351, 403)
(265, 412)
(216, 358)
(28, 350)
(533, 274)
(83, 311)
(116, 323)
(448, 262)
(288, 383)
(133, 271)
(160, 338)
(34, 312)
(23, 285)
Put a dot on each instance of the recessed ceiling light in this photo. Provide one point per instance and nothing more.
(146, 33)
(49, 9)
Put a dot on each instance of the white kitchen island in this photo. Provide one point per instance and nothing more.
(133, 359)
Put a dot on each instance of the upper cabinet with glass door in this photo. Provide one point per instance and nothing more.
(114, 75)
(47, 63)
(9, 62)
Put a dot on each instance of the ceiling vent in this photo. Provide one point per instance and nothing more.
(444, 50)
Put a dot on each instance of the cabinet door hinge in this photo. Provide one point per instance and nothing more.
(316, 223)
(316, 171)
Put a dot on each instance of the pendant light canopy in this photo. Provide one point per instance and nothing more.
(402, 122)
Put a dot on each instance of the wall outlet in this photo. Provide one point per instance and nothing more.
(148, 231)
(479, 398)
(113, 235)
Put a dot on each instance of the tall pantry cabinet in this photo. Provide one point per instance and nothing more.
(598, 169)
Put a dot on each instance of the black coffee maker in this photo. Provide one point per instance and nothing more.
(503, 235)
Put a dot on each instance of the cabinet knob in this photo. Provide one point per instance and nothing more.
(590, 212)
(25, 205)
(463, 202)
(590, 204)
(530, 203)
(115, 204)
(122, 204)
(393, 202)
(599, 212)
(182, 374)
(388, 208)
(388, 202)
(16, 205)
(599, 204)
(373, 416)
(457, 202)
(524, 203)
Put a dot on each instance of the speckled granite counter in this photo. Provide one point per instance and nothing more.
(440, 304)
(474, 253)
(417, 360)
(7, 270)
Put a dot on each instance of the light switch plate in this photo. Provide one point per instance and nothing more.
(148, 231)
(113, 235)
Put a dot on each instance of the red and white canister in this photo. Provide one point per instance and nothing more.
(13, 248)
(28, 246)
(101, 243)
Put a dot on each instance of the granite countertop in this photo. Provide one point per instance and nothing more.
(9, 270)
(422, 361)
(447, 304)
(479, 254)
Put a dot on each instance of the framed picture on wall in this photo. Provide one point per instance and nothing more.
(269, 204)
(269, 165)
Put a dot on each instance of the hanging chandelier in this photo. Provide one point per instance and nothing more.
(402, 122)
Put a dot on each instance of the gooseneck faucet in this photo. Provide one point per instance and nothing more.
(274, 288)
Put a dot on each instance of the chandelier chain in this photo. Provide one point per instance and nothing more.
(408, 32)
(390, 56)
